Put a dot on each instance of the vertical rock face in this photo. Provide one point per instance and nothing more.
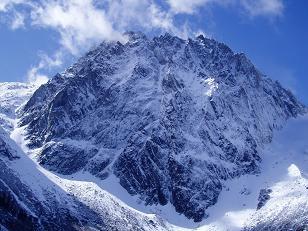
(170, 118)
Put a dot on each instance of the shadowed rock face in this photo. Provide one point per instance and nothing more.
(264, 196)
(170, 118)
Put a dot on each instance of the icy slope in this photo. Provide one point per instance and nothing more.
(12, 95)
(171, 119)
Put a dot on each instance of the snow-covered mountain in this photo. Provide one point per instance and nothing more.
(177, 128)
(172, 119)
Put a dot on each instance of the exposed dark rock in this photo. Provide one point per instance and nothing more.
(264, 196)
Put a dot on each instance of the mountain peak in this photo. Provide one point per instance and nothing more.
(171, 119)
(134, 36)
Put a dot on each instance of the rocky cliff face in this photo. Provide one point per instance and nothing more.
(172, 119)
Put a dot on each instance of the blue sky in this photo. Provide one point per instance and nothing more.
(41, 37)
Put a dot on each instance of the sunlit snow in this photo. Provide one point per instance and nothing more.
(211, 86)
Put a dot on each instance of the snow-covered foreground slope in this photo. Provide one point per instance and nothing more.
(35, 199)
(286, 173)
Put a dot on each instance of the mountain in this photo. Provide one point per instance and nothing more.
(172, 120)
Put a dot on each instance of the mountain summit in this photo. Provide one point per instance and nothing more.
(172, 119)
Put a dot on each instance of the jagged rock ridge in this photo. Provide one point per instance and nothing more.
(171, 118)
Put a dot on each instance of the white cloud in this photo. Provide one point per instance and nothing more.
(17, 21)
(252, 7)
(35, 76)
(5, 5)
(139, 14)
(50, 62)
(84, 23)
(78, 22)
(188, 6)
(263, 7)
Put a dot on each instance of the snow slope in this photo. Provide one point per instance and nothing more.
(12, 96)
(284, 170)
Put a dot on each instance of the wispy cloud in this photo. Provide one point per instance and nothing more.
(190, 6)
(18, 21)
(84, 23)
(127, 14)
(253, 8)
(81, 23)
(78, 22)
(268, 8)
(6, 5)
(35, 76)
